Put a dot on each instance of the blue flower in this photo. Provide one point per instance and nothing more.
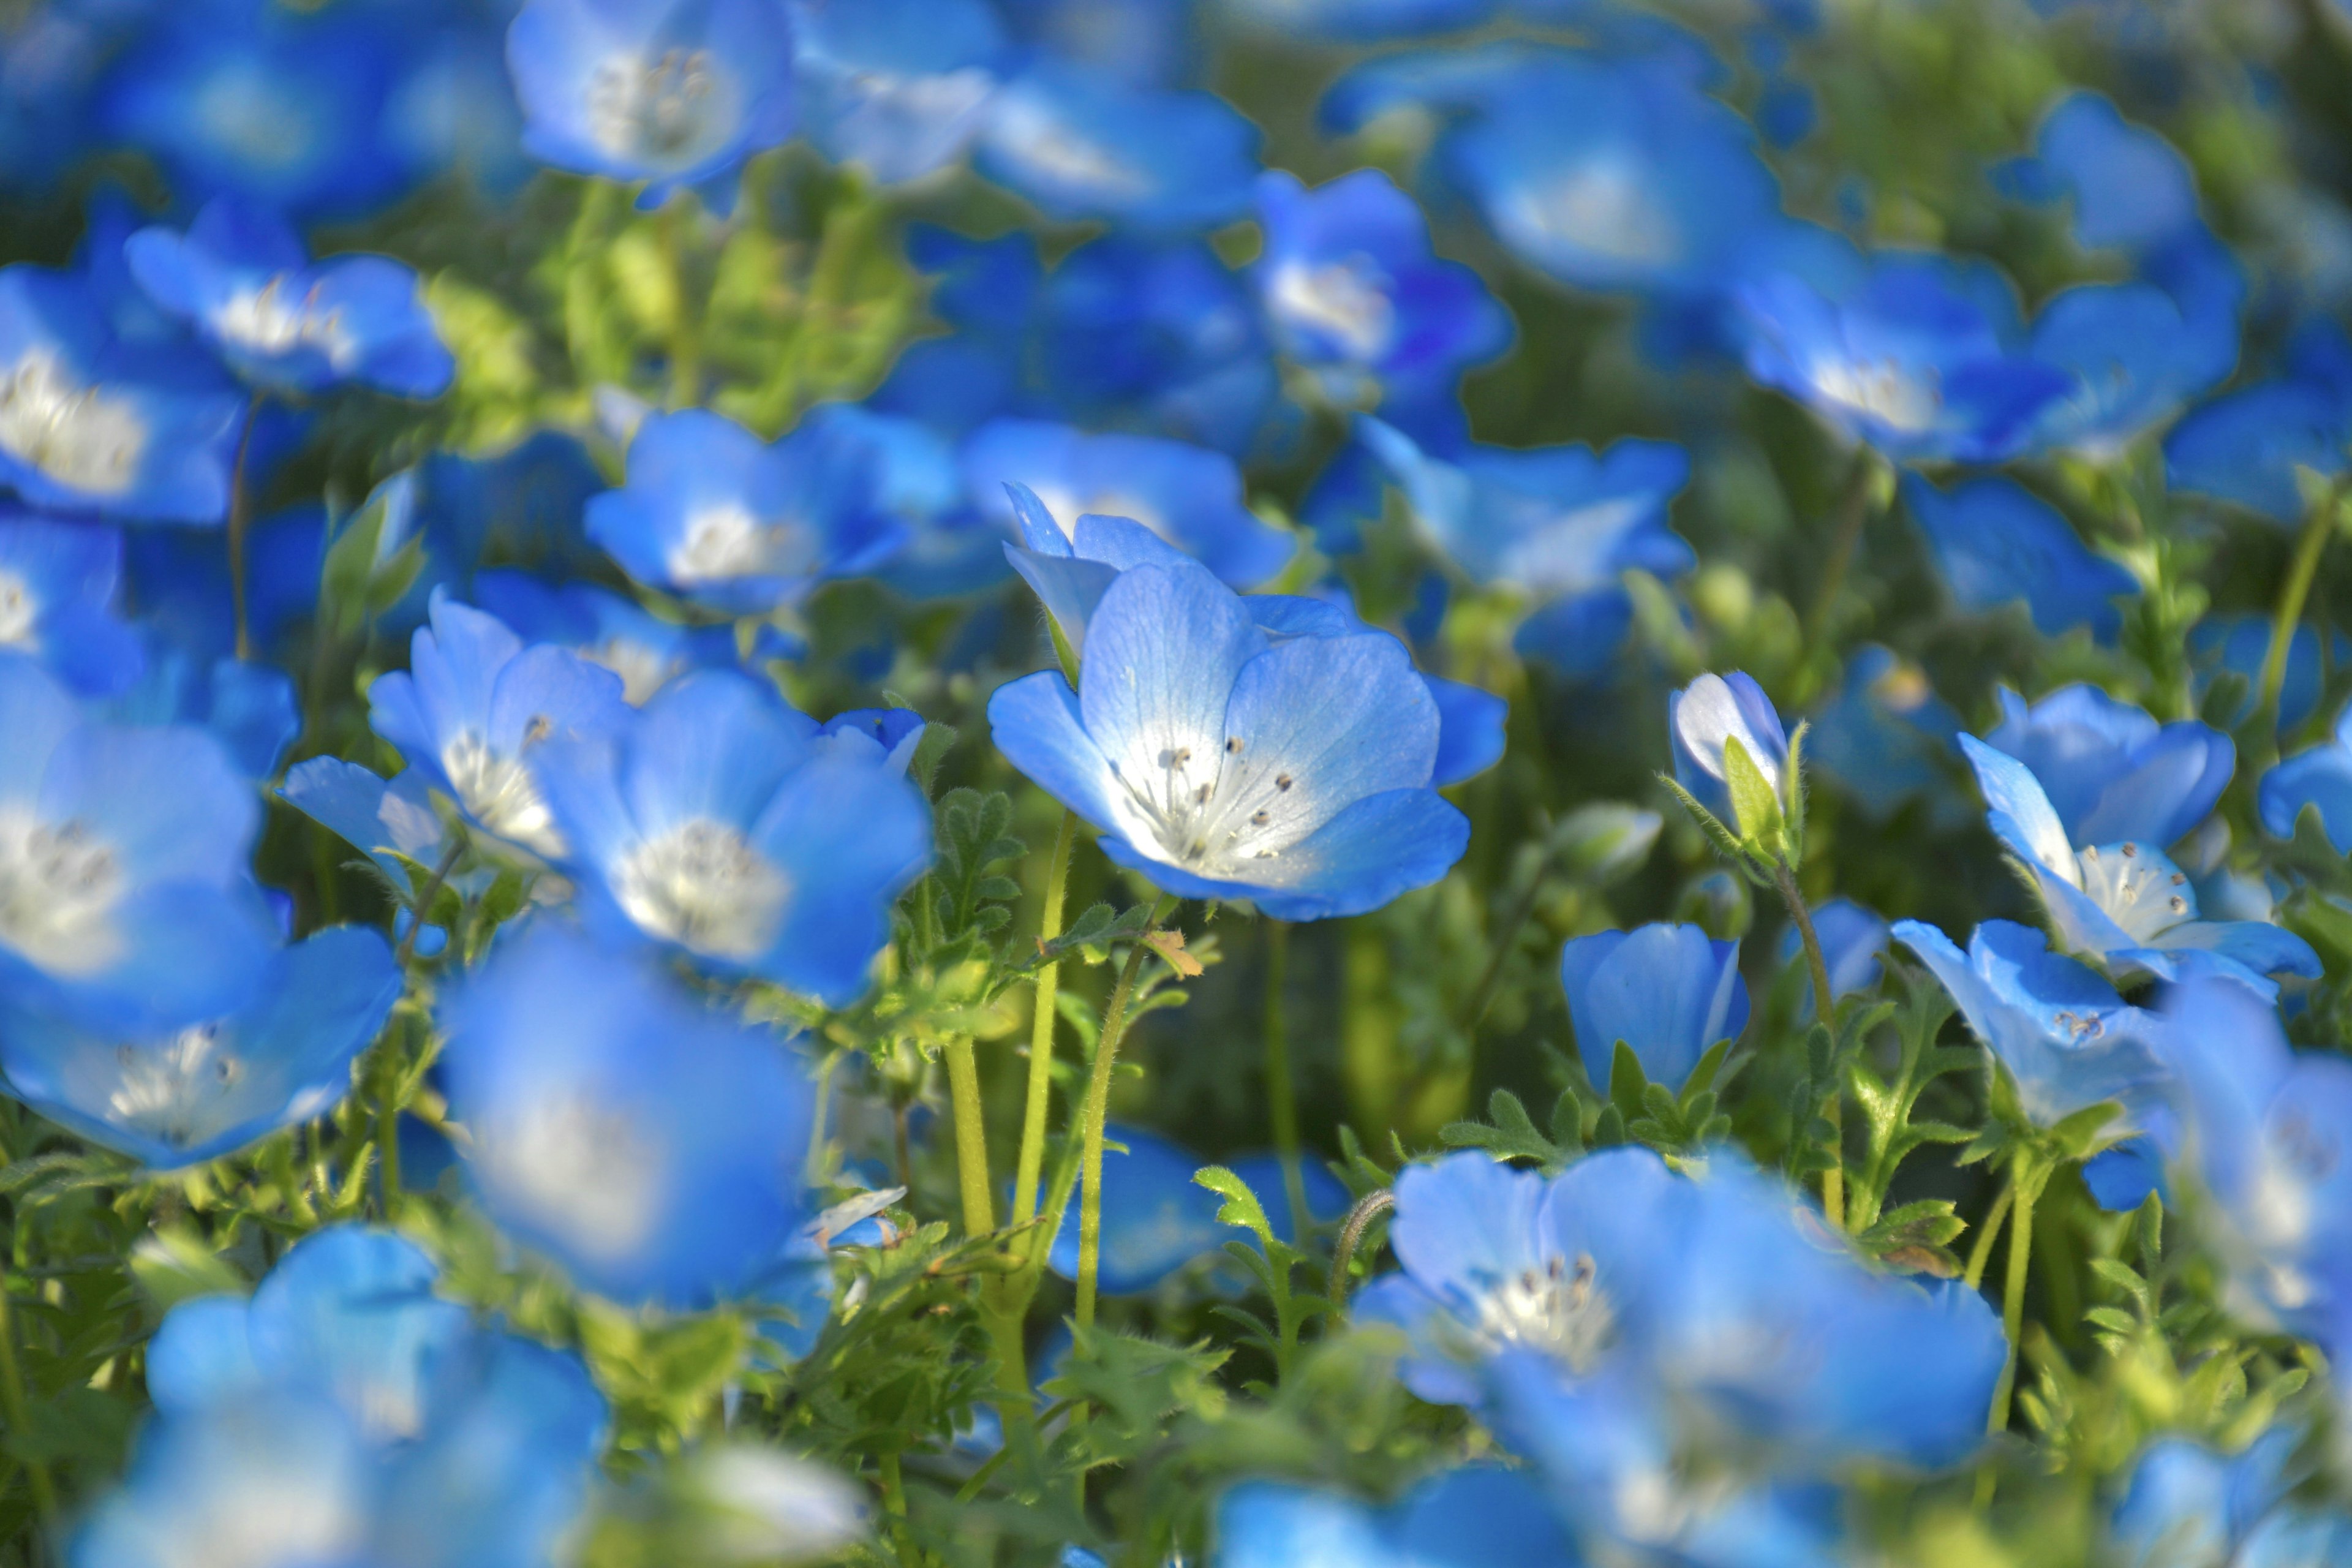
(2137, 356)
(898, 87)
(2109, 770)
(346, 1414)
(1710, 712)
(2239, 643)
(1853, 938)
(714, 513)
(2131, 190)
(1470, 729)
(88, 422)
(645, 1143)
(386, 822)
(2067, 1038)
(2266, 1137)
(1295, 775)
(716, 820)
(125, 899)
(2122, 903)
(1999, 544)
(1187, 495)
(1667, 991)
(250, 708)
(1157, 1220)
(1360, 21)
(652, 90)
(241, 278)
(2186, 1503)
(59, 583)
(182, 1095)
(1080, 145)
(1885, 735)
(2319, 777)
(605, 629)
(1347, 279)
(1918, 363)
(2246, 446)
(1476, 1517)
(474, 707)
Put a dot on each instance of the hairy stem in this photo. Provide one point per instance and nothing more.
(970, 1137)
(1832, 1179)
(2028, 1187)
(1097, 1108)
(1281, 1096)
(1368, 1207)
(1042, 1023)
(1980, 1250)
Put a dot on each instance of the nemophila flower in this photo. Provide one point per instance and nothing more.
(716, 820)
(387, 821)
(59, 586)
(1560, 524)
(1886, 734)
(2238, 645)
(1355, 296)
(896, 87)
(2320, 778)
(1187, 495)
(1667, 991)
(125, 897)
(1359, 21)
(475, 706)
(142, 432)
(2137, 356)
(248, 707)
(2109, 770)
(1069, 571)
(1919, 362)
(1476, 1517)
(603, 628)
(1080, 145)
(1705, 717)
(2000, 545)
(2267, 1139)
(297, 110)
(2186, 1503)
(653, 90)
(949, 547)
(1853, 940)
(2064, 1036)
(1156, 1220)
(2247, 446)
(1295, 775)
(185, 1093)
(242, 281)
(2121, 903)
(2130, 188)
(346, 1414)
(648, 1144)
(713, 513)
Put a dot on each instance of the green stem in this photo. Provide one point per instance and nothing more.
(893, 1503)
(2309, 546)
(387, 1131)
(1042, 1023)
(424, 906)
(1281, 1096)
(2029, 1180)
(12, 1389)
(1097, 1110)
(1832, 1179)
(970, 1136)
(240, 511)
(1980, 1250)
(685, 341)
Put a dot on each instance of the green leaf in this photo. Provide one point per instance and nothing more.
(1702, 1077)
(1727, 843)
(1240, 1206)
(1628, 1084)
(1754, 805)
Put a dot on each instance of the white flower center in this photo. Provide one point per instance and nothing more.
(1600, 206)
(671, 109)
(1342, 300)
(1882, 389)
(1218, 809)
(16, 611)
(577, 1169)
(1557, 1311)
(273, 320)
(702, 886)
(2140, 890)
(79, 436)
(182, 1091)
(498, 792)
(727, 542)
(643, 669)
(58, 886)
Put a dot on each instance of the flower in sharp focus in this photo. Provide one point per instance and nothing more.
(1669, 992)
(1476, 1517)
(1708, 716)
(142, 432)
(1998, 543)
(126, 901)
(2067, 1039)
(1294, 774)
(2118, 902)
(185, 1093)
(718, 821)
(475, 706)
(2109, 770)
(713, 513)
(646, 1142)
(241, 280)
(58, 584)
(650, 90)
